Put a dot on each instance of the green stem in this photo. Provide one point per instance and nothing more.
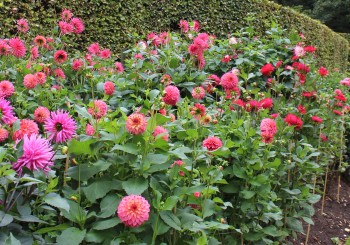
(155, 230)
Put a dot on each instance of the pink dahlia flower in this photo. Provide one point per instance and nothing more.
(316, 119)
(198, 93)
(119, 67)
(293, 120)
(41, 77)
(212, 143)
(4, 134)
(34, 51)
(345, 81)
(268, 130)
(5, 49)
(133, 210)
(66, 15)
(30, 81)
(94, 49)
(65, 27)
(229, 81)
(77, 64)
(27, 127)
(99, 109)
(105, 54)
(60, 56)
(323, 71)
(22, 25)
(37, 154)
(267, 69)
(78, 25)
(59, 73)
(184, 26)
(60, 126)
(136, 123)
(89, 130)
(162, 131)
(6, 112)
(172, 95)
(41, 114)
(108, 87)
(6, 89)
(17, 47)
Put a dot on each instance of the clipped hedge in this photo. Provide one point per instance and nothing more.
(114, 23)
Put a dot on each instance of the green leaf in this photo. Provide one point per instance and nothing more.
(180, 152)
(128, 148)
(57, 201)
(153, 94)
(53, 228)
(135, 186)
(208, 208)
(83, 112)
(5, 219)
(71, 236)
(106, 224)
(11, 240)
(292, 192)
(170, 203)
(271, 231)
(108, 206)
(88, 170)
(80, 147)
(247, 194)
(170, 219)
(294, 224)
(100, 188)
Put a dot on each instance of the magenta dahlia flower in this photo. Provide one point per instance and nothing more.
(37, 154)
(133, 210)
(6, 112)
(60, 126)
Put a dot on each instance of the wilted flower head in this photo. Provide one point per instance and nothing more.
(133, 210)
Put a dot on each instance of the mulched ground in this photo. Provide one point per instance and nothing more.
(335, 222)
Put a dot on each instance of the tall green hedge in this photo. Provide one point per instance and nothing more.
(113, 22)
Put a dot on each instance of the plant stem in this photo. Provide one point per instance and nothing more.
(155, 231)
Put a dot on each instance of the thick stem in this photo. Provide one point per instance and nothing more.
(65, 170)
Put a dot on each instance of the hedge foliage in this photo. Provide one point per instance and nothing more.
(114, 23)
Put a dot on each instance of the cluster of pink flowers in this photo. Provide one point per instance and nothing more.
(156, 40)
(95, 50)
(13, 46)
(198, 46)
(185, 26)
(31, 80)
(70, 25)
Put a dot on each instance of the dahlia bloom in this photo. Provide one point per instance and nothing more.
(94, 49)
(299, 51)
(252, 105)
(268, 130)
(198, 93)
(41, 77)
(323, 72)
(27, 127)
(323, 137)
(34, 51)
(66, 15)
(274, 115)
(267, 69)
(99, 109)
(5, 49)
(6, 112)
(119, 67)
(166, 79)
(136, 123)
(133, 210)
(30, 81)
(229, 81)
(37, 154)
(198, 111)
(108, 87)
(212, 143)
(41, 114)
(105, 54)
(345, 81)
(293, 120)
(171, 96)
(310, 49)
(22, 25)
(266, 103)
(316, 119)
(178, 163)
(59, 73)
(4, 134)
(6, 89)
(60, 126)
(184, 26)
(17, 47)
(77, 64)
(195, 27)
(336, 112)
(301, 109)
(78, 25)
(60, 56)
(89, 130)
(65, 27)
(162, 131)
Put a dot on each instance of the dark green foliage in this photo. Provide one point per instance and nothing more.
(114, 23)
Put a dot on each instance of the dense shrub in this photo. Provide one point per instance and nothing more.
(114, 23)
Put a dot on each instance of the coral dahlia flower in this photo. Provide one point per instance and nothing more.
(133, 210)
(41, 114)
(60, 56)
(198, 93)
(4, 134)
(6, 89)
(30, 81)
(27, 127)
(212, 143)
(172, 95)
(162, 131)
(108, 87)
(60, 126)
(99, 109)
(37, 154)
(136, 123)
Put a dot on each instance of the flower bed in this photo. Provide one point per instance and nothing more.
(188, 139)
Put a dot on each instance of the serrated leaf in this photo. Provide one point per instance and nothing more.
(100, 188)
(106, 224)
(108, 206)
(128, 148)
(170, 203)
(71, 236)
(135, 186)
(170, 219)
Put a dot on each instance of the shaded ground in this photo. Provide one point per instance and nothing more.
(335, 222)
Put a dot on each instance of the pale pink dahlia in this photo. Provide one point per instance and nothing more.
(172, 95)
(30, 81)
(41, 114)
(136, 123)
(40, 41)
(37, 154)
(162, 131)
(6, 89)
(198, 93)
(133, 210)
(60, 126)
(212, 143)
(66, 14)
(6, 112)
(99, 109)
(229, 81)
(108, 87)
